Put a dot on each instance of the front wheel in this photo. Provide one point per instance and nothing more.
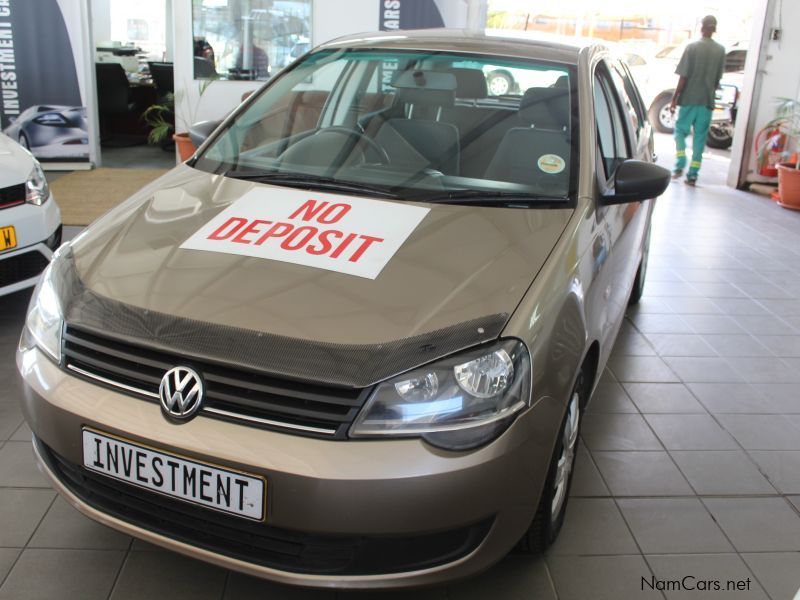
(23, 141)
(549, 516)
(720, 136)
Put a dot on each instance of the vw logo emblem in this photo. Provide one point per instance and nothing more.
(181, 392)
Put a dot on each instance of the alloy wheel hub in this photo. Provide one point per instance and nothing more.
(567, 459)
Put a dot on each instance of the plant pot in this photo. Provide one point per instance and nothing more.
(185, 146)
(789, 186)
(768, 171)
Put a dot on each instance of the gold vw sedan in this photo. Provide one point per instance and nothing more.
(349, 342)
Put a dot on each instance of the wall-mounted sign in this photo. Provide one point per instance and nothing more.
(41, 104)
(410, 14)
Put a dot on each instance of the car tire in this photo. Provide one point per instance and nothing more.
(549, 517)
(23, 141)
(660, 118)
(719, 137)
(500, 83)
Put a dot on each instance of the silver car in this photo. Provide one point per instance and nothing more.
(348, 344)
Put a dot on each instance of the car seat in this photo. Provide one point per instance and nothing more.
(419, 140)
(526, 154)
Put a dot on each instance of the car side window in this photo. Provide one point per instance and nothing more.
(611, 133)
(627, 94)
(634, 93)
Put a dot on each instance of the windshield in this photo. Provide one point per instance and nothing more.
(410, 124)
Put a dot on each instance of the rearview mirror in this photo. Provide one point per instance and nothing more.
(636, 180)
(200, 131)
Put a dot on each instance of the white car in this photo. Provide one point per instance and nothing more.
(656, 79)
(30, 221)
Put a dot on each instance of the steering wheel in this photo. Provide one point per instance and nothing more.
(357, 137)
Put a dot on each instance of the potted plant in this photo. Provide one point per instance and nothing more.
(787, 122)
(161, 118)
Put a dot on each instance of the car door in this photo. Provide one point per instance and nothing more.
(618, 141)
(641, 132)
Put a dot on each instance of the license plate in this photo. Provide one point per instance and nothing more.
(8, 237)
(199, 483)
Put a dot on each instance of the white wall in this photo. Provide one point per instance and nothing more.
(342, 17)
(771, 71)
(169, 33)
(77, 16)
(101, 20)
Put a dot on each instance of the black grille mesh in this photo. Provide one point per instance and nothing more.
(12, 195)
(306, 408)
(21, 267)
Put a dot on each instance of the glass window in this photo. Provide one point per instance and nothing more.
(248, 39)
(142, 24)
(298, 111)
(409, 123)
(507, 80)
(628, 96)
(611, 132)
(605, 128)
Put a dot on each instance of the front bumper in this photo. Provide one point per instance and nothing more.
(386, 489)
(38, 231)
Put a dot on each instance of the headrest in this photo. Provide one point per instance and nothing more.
(562, 82)
(431, 88)
(548, 108)
(470, 83)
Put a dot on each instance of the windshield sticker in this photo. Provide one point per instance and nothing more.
(551, 163)
(349, 235)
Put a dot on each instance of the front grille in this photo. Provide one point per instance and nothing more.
(257, 543)
(13, 195)
(21, 267)
(231, 393)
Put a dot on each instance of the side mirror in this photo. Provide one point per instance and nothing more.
(636, 180)
(200, 131)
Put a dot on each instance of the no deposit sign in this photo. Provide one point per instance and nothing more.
(349, 235)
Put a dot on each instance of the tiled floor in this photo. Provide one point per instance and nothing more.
(689, 464)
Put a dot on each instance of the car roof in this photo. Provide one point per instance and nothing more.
(491, 42)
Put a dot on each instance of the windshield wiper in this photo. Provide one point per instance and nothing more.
(490, 198)
(304, 180)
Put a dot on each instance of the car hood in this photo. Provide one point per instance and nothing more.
(460, 264)
(15, 162)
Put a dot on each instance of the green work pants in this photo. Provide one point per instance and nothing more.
(696, 120)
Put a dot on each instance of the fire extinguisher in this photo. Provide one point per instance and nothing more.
(769, 146)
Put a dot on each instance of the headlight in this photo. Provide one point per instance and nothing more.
(36, 189)
(459, 402)
(45, 317)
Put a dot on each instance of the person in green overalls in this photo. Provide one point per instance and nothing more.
(700, 70)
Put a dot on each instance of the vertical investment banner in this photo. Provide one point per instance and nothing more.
(41, 104)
